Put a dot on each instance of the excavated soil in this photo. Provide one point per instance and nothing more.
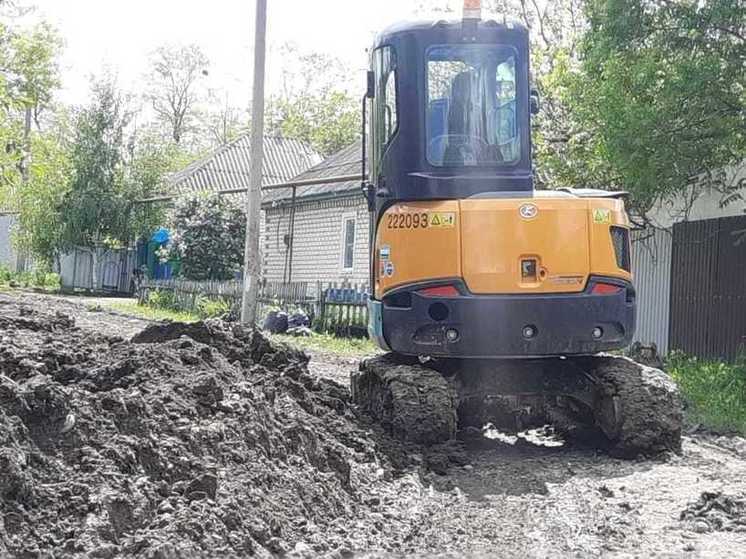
(209, 440)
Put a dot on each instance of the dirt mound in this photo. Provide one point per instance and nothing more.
(716, 511)
(189, 440)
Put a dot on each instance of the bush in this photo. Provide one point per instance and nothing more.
(163, 300)
(209, 236)
(38, 278)
(715, 391)
(5, 274)
(203, 307)
(210, 308)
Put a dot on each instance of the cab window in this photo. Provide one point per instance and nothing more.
(471, 105)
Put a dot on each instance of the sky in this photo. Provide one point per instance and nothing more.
(120, 35)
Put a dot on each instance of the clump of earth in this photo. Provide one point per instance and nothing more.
(187, 440)
(714, 511)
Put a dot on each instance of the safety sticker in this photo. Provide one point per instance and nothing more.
(601, 215)
(385, 252)
(445, 220)
(388, 269)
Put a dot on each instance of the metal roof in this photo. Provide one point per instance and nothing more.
(228, 166)
(347, 161)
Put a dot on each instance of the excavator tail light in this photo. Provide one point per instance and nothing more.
(440, 291)
(605, 289)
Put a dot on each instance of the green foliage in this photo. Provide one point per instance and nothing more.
(203, 307)
(209, 237)
(95, 209)
(39, 227)
(315, 105)
(659, 98)
(328, 121)
(31, 60)
(107, 178)
(39, 279)
(212, 308)
(714, 391)
(29, 74)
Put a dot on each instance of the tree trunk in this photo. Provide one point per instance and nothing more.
(94, 268)
(26, 157)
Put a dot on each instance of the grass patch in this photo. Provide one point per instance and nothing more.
(329, 344)
(715, 391)
(152, 313)
(38, 279)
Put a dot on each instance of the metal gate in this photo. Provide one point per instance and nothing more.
(708, 288)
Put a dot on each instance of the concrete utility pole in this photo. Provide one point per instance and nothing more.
(252, 265)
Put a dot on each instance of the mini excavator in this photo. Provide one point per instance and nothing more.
(497, 302)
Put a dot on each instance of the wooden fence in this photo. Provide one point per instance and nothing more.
(343, 309)
(339, 307)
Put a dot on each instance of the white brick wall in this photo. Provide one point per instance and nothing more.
(319, 240)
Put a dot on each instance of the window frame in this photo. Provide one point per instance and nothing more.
(379, 145)
(346, 218)
(493, 165)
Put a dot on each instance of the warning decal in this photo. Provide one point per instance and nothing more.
(444, 219)
(601, 215)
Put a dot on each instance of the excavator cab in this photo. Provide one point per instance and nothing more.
(468, 259)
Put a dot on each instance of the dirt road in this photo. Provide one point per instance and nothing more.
(497, 499)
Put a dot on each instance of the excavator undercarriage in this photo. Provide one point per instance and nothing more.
(628, 408)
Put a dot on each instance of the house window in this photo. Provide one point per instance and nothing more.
(348, 244)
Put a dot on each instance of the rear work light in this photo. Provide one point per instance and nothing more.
(605, 289)
(440, 291)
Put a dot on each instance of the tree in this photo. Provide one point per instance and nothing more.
(224, 124)
(660, 96)
(29, 74)
(209, 234)
(315, 104)
(175, 86)
(40, 221)
(328, 121)
(98, 210)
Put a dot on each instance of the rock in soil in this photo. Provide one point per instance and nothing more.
(189, 440)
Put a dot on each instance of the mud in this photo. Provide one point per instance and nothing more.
(187, 440)
(180, 448)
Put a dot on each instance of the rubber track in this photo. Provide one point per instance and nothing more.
(414, 403)
(650, 405)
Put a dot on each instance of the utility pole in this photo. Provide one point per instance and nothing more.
(252, 265)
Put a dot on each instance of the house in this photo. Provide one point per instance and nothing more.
(322, 235)
(225, 169)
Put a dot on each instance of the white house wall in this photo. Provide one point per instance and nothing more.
(319, 241)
